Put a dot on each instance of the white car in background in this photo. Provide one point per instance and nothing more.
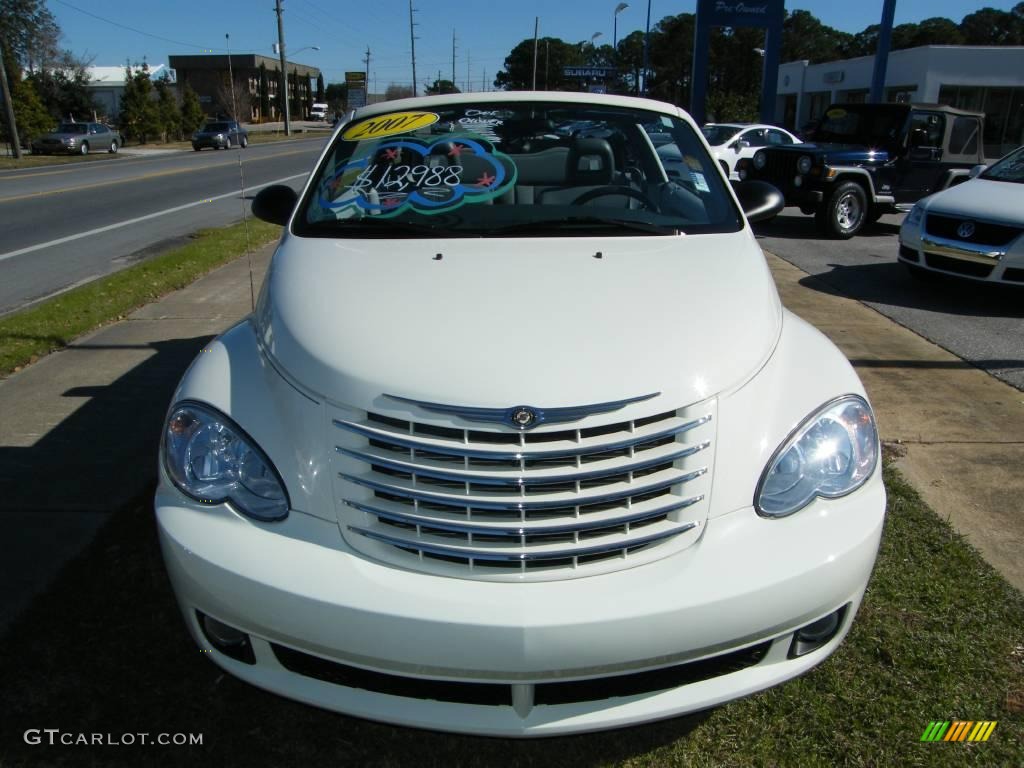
(732, 141)
(973, 230)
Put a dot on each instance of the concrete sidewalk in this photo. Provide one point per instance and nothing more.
(79, 429)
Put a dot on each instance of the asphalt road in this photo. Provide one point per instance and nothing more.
(982, 324)
(63, 225)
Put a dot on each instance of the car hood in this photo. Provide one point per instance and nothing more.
(999, 201)
(499, 322)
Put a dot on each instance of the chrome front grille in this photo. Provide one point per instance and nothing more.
(502, 503)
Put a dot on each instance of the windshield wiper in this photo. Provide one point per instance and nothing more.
(549, 225)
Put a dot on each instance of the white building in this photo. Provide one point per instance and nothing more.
(107, 85)
(987, 79)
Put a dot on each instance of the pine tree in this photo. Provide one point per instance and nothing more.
(30, 115)
(191, 112)
(167, 108)
(140, 115)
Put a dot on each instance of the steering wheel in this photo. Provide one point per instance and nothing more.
(608, 191)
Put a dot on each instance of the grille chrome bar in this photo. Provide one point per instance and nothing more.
(518, 480)
(404, 440)
(518, 531)
(501, 503)
(520, 556)
(625, 490)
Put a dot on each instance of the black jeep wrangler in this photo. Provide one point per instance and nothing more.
(865, 160)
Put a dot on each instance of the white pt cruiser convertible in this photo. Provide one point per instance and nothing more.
(519, 440)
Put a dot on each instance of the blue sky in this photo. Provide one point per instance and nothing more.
(485, 31)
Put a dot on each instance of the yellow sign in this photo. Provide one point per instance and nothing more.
(388, 125)
(836, 113)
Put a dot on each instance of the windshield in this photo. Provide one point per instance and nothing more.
(495, 169)
(73, 128)
(1010, 168)
(719, 134)
(869, 124)
(216, 127)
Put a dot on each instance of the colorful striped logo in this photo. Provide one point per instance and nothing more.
(959, 730)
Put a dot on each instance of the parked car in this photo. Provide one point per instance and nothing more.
(974, 230)
(732, 141)
(78, 139)
(519, 440)
(867, 160)
(222, 134)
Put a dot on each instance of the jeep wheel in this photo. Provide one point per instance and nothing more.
(84, 148)
(845, 212)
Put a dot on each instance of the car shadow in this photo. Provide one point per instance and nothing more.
(890, 283)
(793, 225)
(59, 487)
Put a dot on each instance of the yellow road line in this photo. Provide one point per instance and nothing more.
(144, 177)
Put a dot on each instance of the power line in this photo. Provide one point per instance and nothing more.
(139, 31)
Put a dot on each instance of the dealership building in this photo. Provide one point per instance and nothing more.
(987, 79)
(256, 84)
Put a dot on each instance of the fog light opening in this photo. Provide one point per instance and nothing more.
(232, 642)
(816, 634)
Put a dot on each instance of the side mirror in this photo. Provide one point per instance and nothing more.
(976, 171)
(741, 144)
(759, 199)
(275, 204)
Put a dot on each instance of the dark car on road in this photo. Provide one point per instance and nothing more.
(78, 139)
(866, 160)
(223, 134)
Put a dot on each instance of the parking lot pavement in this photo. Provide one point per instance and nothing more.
(960, 431)
(79, 429)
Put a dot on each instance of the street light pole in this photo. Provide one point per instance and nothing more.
(647, 41)
(284, 69)
(615, 24)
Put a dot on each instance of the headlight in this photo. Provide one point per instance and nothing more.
(760, 160)
(832, 453)
(803, 165)
(914, 217)
(68, 140)
(212, 460)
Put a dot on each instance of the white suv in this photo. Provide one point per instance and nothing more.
(519, 440)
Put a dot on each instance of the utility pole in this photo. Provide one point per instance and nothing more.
(469, 75)
(453, 56)
(12, 126)
(284, 68)
(483, 80)
(647, 42)
(412, 47)
(366, 61)
(536, 28)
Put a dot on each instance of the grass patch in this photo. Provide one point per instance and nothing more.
(938, 636)
(52, 324)
(36, 161)
(262, 137)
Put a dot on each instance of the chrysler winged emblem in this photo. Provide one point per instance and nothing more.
(966, 230)
(524, 417)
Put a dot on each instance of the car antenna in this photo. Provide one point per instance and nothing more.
(241, 179)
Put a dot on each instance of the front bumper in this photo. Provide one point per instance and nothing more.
(981, 263)
(748, 582)
(211, 142)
